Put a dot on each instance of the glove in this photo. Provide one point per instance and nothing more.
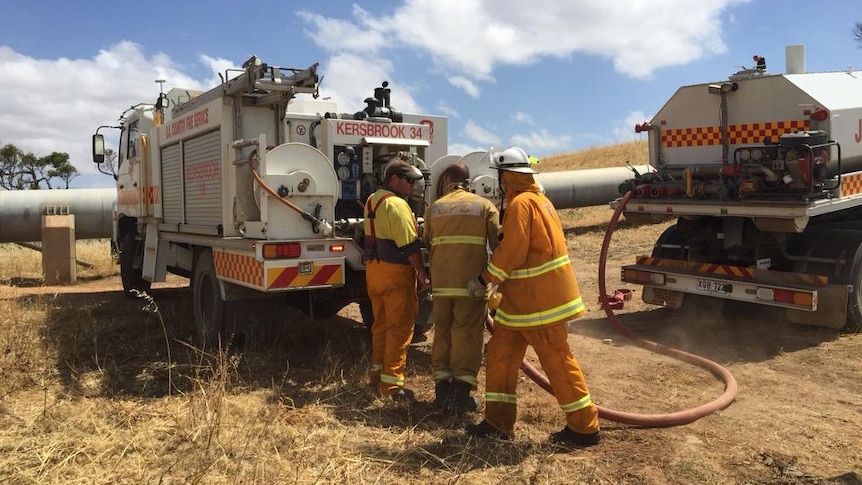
(477, 289)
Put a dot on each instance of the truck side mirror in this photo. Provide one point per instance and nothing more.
(98, 148)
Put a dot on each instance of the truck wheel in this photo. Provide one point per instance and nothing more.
(210, 309)
(854, 299)
(670, 245)
(367, 313)
(132, 277)
(839, 243)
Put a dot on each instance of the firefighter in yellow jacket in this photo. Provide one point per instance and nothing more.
(540, 295)
(394, 271)
(460, 227)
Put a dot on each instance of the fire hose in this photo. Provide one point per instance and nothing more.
(319, 225)
(667, 420)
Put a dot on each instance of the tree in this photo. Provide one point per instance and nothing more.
(109, 166)
(21, 171)
(857, 33)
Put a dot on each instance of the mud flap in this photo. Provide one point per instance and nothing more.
(151, 253)
(831, 308)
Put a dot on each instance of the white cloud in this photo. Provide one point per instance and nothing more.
(541, 142)
(524, 118)
(465, 148)
(470, 38)
(338, 35)
(480, 135)
(624, 130)
(349, 79)
(56, 104)
(448, 110)
(465, 84)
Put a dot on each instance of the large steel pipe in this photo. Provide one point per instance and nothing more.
(21, 212)
(580, 188)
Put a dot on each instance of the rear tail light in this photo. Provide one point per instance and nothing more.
(285, 250)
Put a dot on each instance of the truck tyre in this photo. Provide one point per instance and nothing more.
(841, 243)
(132, 277)
(670, 244)
(367, 313)
(853, 323)
(209, 307)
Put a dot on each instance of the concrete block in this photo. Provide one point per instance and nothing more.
(58, 250)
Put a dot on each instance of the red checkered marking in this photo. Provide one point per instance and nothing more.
(238, 267)
(851, 184)
(741, 134)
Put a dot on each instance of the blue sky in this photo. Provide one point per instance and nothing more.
(550, 76)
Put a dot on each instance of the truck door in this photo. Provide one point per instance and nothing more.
(129, 169)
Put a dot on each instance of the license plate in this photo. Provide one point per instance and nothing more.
(306, 267)
(711, 286)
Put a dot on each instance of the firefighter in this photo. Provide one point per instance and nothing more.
(394, 272)
(540, 295)
(460, 227)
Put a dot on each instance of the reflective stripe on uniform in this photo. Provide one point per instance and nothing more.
(540, 270)
(469, 380)
(568, 309)
(501, 397)
(441, 375)
(497, 272)
(450, 292)
(387, 379)
(577, 405)
(480, 240)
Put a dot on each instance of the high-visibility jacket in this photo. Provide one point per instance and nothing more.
(394, 235)
(531, 262)
(459, 228)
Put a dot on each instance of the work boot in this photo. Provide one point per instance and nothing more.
(568, 437)
(461, 400)
(442, 393)
(403, 395)
(373, 378)
(486, 430)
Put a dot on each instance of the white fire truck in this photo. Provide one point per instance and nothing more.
(251, 191)
(763, 174)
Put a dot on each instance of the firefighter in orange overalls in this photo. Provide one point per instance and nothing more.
(460, 226)
(540, 295)
(394, 272)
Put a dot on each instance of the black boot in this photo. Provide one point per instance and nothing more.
(568, 437)
(462, 401)
(484, 429)
(442, 393)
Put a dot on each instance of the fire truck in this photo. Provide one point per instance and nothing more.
(254, 189)
(762, 174)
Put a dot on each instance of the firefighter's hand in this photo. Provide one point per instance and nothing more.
(423, 285)
(477, 289)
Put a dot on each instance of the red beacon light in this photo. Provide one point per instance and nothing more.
(820, 114)
(645, 126)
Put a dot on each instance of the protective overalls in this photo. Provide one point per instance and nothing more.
(391, 282)
(459, 228)
(531, 265)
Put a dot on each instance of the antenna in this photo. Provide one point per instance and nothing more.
(160, 103)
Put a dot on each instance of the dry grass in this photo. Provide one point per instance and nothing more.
(99, 388)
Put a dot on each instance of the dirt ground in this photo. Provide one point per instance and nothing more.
(797, 417)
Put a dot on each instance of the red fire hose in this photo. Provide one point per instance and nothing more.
(646, 420)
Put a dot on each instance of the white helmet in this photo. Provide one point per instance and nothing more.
(512, 159)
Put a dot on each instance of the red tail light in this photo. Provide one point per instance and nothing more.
(286, 250)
